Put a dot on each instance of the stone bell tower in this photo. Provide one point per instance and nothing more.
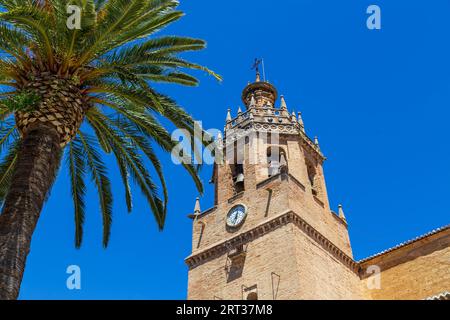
(271, 233)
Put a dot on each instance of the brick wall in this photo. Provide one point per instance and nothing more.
(273, 252)
(321, 275)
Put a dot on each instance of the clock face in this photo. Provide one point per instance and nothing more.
(236, 216)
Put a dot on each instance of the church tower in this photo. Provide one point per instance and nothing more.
(271, 233)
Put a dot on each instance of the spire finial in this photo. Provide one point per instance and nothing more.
(197, 209)
(341, 213)
(229, 115)
(283, 103)
(293, 117)
(316, 141)
(252, 101)
(300, 122)
(258, 76)
(239, 110)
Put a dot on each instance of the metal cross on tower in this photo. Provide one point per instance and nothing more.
(256, 64)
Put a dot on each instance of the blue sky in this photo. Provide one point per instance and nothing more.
(378, 100)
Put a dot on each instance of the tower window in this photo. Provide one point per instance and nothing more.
(313, 179)
(237, 171)
(311, 174)
(236, 165)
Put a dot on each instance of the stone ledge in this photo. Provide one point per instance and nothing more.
(318, 201)
(282, 176)
(236, 196)
(204, 213)
(218, 249)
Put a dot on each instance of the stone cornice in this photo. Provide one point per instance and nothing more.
(260, 124)
(308, 143)
(218, 249)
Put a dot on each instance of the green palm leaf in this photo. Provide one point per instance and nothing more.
(77, 170)
(127, 152)
(99, 175)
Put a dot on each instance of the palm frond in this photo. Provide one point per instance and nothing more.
(99, 175)
(150, 129)
(77, 170)
(35, 22)
(128, 153)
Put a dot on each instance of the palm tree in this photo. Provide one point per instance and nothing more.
(76, 94)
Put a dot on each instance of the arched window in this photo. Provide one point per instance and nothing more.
(311, 174)
(237, 171)
(237, 164)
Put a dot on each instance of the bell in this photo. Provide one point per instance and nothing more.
(240, 178)
(273, 168)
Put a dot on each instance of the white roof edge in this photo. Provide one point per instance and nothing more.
(406, 243)
(441, 296)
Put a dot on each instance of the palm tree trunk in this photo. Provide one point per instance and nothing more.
(36, 169)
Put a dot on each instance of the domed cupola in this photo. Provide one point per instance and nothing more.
(259, 94)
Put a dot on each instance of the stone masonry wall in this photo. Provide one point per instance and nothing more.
(415, 271)
(271, 253)
(321, 275)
